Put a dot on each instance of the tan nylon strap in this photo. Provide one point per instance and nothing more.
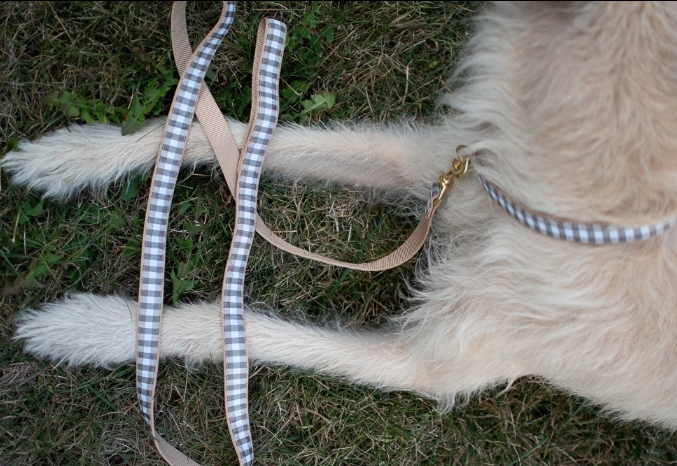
(171, 455)
(247, 166)
(399, 256)
(225, 148)
(227, 153)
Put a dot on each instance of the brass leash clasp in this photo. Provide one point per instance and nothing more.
(459, 167)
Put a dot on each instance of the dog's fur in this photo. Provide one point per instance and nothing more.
(572, 110)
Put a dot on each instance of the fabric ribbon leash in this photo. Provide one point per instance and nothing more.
(189, 94)
(265, 110)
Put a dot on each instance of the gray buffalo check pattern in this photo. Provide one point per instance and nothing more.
(586, 233)
(235, 361)
(157, 214)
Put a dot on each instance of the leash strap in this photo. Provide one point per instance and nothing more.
(193, 67)
(226, 150)
(242, 171)
(585, 233)
(265, 110)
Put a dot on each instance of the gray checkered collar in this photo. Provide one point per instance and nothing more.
(585, 233)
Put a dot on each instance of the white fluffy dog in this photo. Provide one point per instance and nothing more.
(571, 108)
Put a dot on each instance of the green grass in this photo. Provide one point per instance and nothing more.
(381, 61)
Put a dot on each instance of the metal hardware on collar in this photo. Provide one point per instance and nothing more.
(459, 167)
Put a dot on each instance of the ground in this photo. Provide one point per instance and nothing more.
(68, 63)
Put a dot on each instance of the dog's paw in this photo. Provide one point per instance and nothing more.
(65, 162)
(81, 329)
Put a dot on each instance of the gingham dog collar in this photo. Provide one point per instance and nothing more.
(584, 233)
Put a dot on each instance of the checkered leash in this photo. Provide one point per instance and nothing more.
(265, 80)
(266, 75)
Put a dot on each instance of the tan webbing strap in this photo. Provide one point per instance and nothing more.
(243, 171)
(226, 150)
(171, 455)
(399, 256)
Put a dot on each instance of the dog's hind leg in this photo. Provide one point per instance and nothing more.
(64, 163)
(98, 330)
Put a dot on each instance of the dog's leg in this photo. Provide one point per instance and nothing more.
(441, 352)
(89, 329)
(63, 163)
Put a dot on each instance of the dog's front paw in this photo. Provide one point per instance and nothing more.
(81, 329)
(64, 163)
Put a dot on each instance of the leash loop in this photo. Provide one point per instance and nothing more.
(190, 100)
(262, 122)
